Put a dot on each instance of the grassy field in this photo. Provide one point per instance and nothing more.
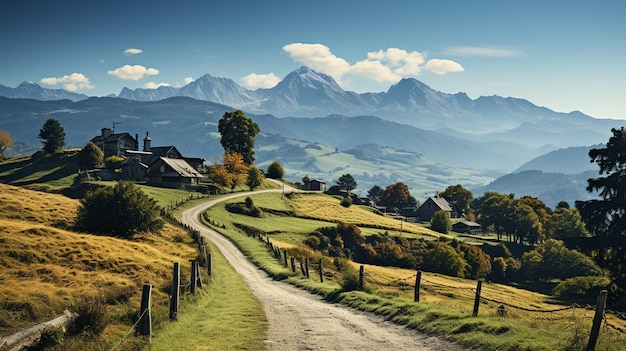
(508, 319)
(47, 269)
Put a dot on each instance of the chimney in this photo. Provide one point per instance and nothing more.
(106, 132)
(137, 140)
(146, 143)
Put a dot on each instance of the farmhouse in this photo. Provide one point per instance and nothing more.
(159, 166)
(465, 226)
(315, 185)
(434, 204)
(115, 144)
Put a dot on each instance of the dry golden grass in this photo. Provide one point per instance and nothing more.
(328, 208)
(47, 268)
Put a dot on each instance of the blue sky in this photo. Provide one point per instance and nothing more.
(565, 55)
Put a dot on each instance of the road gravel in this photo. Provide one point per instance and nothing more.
(299, 320)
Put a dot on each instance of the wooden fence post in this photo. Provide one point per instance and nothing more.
(477, 299)
(293, 264)
(418, 278)
(209, 264)
(306, 266)
(194, 274)
(198, 276)
(361, 274)
(145, 322)
(597, 321)
(285, 254)
(321, 269)
(175, 292)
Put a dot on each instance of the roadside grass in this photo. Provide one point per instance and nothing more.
(223, 316)
(508, 318)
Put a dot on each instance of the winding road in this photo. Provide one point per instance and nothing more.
(299, 320)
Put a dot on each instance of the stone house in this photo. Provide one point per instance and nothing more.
(115, 144)
(434, 204)
(171, 173)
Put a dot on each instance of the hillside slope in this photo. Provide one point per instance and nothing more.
(47, 268)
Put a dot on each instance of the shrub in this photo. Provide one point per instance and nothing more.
(441, 222)
(346, 201)
(90, 155)
(92, 318)
(443, 258)
(122, 211)
(113, 162)
(581, 287)
(275, 171)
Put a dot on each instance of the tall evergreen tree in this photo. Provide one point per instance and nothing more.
(52, 136)
(605, 218)
(238, 133)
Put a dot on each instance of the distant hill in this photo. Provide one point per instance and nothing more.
(572, 160)
(551, 188)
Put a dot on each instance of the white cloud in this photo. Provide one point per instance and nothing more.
(319, 58)
(132, 51)
(255, 81)
(188, 80)
(72, 82)
(136, 72)
(483, 51)
(441, 67)
(153, 85)
(382, 66)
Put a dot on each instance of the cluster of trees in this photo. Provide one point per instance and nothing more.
(550, 260)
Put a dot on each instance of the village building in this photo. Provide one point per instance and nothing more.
(315, 185)
(465, 226)
(155, 165)
(434, 204)
(115, 144)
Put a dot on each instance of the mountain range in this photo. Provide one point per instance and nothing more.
(470, 141)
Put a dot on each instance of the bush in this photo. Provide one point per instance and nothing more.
(275, 171)
(441, 222)
(346, 202)
(92, 318)
(122, 211)
(90, 155)
(113, 162)
(581, 287)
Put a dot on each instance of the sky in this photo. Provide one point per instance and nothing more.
(564, 55)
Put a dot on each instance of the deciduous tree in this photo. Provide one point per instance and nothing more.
(255, 177)
(52, 136)
(238, 134)
(459, 195)
(396, 195)
(238, 169)
(375, 194)
(6, 141)
(440, 222)
(275, 170)
(90, 155)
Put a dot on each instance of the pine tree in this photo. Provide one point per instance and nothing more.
(52, 136)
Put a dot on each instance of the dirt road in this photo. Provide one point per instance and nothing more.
(299, 320)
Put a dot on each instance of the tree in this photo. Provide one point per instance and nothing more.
(238, 134)
(236, 167)
(526, 223)
(346, 182)
(605, 218)
(255, 177)
(52, 136)
(443, 258)
(440, 222)
(6, 141)
(459, 195)
(90, 155)
(121, 211)
(565, 223)
(396, 195)
(552, 260)
(219, 175)
(275, 170)
(496, 210)
(375, 194)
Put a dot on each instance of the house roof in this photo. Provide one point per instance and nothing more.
(467, 223)
(441, 203)
(181, 167)
(111, 138)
